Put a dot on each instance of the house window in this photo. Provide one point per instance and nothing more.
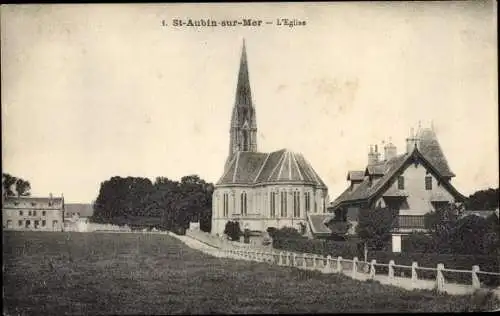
(20, 223)
(44, 223)
(29, 213)
(243, 202)
(428, 182)
(27, 223)
(283, 204)
(44, 213)
(36, 224)
(401, 183)
(296, 204)
(307, 197)
(20, 213)
(225, 208)
(273, 204)
(34, 213)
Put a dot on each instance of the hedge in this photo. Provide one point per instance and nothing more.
(345, 249)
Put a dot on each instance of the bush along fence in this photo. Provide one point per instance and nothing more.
(365, 271)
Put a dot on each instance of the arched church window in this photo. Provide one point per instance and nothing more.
(272, 202)
(307, 198)
(243, 203)
(296, 204)
(225, 206)
(283, 204)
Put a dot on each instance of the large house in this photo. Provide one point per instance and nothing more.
(261, 190)
(33, 213)
(415, 182)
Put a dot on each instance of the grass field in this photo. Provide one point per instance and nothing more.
(119, 273)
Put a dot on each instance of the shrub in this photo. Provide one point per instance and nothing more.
(233, 230)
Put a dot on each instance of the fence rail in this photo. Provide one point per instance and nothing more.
(329, 264)
(355, 268)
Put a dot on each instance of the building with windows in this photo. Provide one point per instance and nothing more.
(261, 190)
(414, 183)
(33, 213)
(77, 216)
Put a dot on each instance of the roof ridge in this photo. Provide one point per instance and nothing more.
(236, 166)
(274, 169)
(262, 167)
(281, 167)
(298, 169)
(290, 166)
(228, 168)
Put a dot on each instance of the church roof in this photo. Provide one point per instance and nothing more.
(276, 167)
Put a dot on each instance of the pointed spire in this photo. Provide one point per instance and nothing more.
(243, 92)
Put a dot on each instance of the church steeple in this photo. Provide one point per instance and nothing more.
(243, 131)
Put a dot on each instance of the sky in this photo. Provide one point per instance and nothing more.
(93, 91)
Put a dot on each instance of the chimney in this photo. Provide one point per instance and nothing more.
(389, 151)
(411, 142)
(373, 155)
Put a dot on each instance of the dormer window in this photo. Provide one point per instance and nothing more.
(401, 183)
(33, 203)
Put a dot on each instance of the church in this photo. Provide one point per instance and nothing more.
(261, 190)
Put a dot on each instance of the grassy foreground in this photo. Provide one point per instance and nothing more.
(119, 273)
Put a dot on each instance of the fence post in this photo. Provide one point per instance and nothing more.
(414, 276)
(315, 264)
(328, 267)
(304, 263)
(339, 264)
(354, 267)
(292, 258)
(391, 269)
(440, 277)
(476, 284)
(372, 269)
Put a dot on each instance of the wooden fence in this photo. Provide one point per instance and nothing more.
(352, 267)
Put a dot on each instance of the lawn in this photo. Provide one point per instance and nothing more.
(119, 273)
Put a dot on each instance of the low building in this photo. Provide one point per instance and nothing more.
(77, 216)
(33, 213)
(413, 183)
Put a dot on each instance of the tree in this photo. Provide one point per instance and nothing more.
(8, 181)
(484, 200)
(375, 226)
(442, 221)
(22, 187)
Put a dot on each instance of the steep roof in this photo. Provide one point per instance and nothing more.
(29, 202)
(372, 187)
(430, 148)
(276, 167)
